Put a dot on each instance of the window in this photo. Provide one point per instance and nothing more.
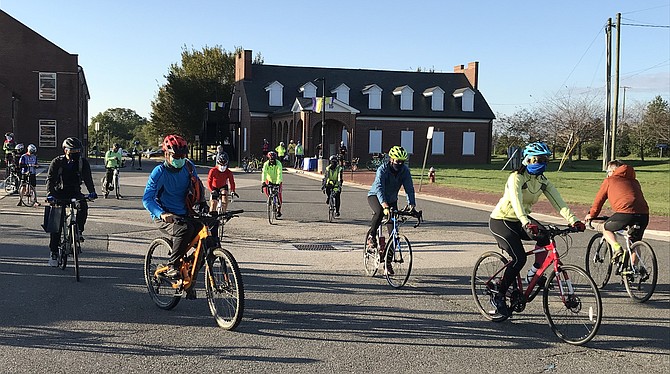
(468, 144)
(374, 93)
(467, 96)
(375, 145)
(438, 143)
(47, 86)
(437, 98)
(407, 140)
(276, 93)
(47, 133)
(406, 97)
(342, 93)
(308, 90)
(345, 137)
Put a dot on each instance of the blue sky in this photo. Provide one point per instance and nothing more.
(528, 51)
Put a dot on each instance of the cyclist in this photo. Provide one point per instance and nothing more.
(64, 178)
(8, 147)
(112, 161)
(383, 194)
(343, 152)
(219, 180)
(332, 180)
(510, 222)
(626, 199)
(165, 198)
(272, 174)
(27, 164)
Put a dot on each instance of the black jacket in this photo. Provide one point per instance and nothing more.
(65, 177)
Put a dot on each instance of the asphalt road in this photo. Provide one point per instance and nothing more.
(306, 311)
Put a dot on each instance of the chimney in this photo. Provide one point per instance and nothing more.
(471, 72)
(243, 65)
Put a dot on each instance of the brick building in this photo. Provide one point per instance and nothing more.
(43, 91)
(369, 110)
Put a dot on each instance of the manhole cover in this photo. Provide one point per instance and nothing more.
(314, 247)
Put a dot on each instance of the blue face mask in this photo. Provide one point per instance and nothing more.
(536, 169)
(178, 163)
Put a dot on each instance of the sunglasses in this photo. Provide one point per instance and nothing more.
(177, 156)
(398, 162)
(73, 150)
(538, 160)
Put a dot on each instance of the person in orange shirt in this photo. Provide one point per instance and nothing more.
(219, 180)
(627, 201)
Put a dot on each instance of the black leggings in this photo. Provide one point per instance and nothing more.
(378, 215)
(509, 235)
(182, 233)
(81, 216)
(619, 221)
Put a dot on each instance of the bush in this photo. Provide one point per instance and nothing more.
(592, 151)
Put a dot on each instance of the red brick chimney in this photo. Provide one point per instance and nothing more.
(243, 65)
(471, 72)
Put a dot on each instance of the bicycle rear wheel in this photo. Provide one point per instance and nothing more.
(31, 195)
(640, 281)
(160, 289)
(76, 249)
(572, 304)
(398, 261)
(225, 290)
(11, 183)
(599, 260)
(486, 277)
(370, 259)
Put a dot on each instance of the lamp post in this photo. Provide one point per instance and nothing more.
(323, 121)
(97, 147)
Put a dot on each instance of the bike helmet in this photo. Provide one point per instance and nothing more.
(116, 145)
(32, 149)
(332, 159)
(19, 148)
(222, 159)
(175, 144)
(281, 143)
(398, 153)
(9, 135)
(536, 149)
(272, 155)
(72, 143)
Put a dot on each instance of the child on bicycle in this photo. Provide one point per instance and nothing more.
(64, 178)
(219, 180)
(332, 181)
(627, 201)
(383, 194)
(27, 165)
(510, 222)
(272, 174)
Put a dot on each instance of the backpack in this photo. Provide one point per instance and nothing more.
(195, 195)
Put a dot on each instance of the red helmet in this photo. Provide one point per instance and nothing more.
(175, 144)
(272, 155)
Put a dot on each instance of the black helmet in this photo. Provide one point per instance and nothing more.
(222, 159)
(116, 145)
(72, 143)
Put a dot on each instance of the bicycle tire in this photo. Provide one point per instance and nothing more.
(32, 195)
(117, 193)
(486, 276)
(637, 289)
(576, 318)
(22, 196)
(224, 288)
(160, 290)
(370, 165)
(400, 260)
(11, 183)
(270, 210)
(331, 208)
(598, 260)
(370, 259)
(76, 249)
(105, 191)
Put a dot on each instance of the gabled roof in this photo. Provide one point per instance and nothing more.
(292, 77)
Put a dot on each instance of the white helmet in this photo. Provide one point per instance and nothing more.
(32, 149)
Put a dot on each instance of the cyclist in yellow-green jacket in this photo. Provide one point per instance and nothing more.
(113, 160)
(272, 175)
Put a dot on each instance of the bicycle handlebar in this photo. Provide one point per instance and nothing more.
(554, 231)
(210, 217)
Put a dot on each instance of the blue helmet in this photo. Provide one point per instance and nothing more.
(536, 149)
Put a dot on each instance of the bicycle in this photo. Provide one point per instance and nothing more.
(220, 212)
(396, 254)
(273, 202)
(376, 162)
(331, 203)
(27, 193)
(351, 165)
(223, 281)
(251, 164)
(570, 300)
(70, 241)
(639, 279)
(12, 180)
(115, 184)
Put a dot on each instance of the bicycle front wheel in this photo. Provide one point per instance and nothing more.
(640, 278)
(64, 248)
(270, 210)
(11, 184)
(331, 209)
(160, 289)
(76, 249)
(572, 304)
(599, 260)
(398, 261)
(225, 291)
(370, 259)
(116, 187)
(31, 196)
(486, 277)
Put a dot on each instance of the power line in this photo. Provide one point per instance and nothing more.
(644, 25)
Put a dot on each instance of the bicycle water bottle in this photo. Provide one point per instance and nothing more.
(531, 272)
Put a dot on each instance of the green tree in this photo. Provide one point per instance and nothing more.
(652, 128)
(117, 125)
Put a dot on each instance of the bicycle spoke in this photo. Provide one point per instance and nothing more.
(486, 277)
(398, 261)
(160, 289)
(599, 260)
(640, 279)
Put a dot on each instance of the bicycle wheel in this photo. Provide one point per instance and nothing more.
(105, 191)
(486, 276)
(31, 196)
(160, 289)
(225, 291)
(370, 259)
(371, 165)
(116, 187)
(22, 197)
(572, 304)
(63, 248)
(270, 210)
(11, 183)
(640, 281)
(398, 261)
(331, 208)
(599, 260)
(76, 249)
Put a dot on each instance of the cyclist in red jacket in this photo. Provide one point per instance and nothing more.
(219, 180)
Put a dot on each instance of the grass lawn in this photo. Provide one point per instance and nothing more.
(578, 182)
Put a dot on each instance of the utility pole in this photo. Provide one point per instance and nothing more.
(608, 94)
(616, 87)
(623, 107)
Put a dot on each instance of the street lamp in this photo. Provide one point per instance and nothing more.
(97, 147)
(323, 114)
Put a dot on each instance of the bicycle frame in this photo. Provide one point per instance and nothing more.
(191, 264)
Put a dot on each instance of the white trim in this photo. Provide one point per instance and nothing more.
(259, 114)
(421, 119)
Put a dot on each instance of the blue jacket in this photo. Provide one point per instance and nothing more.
(166, 190)
(387, 184)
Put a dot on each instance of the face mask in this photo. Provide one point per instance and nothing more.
(74, 156)
(178, 162)
(273, 162)
(536, 169)
(222, 168)
(396, 167)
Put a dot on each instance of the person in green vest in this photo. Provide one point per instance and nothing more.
(332, 182)
(112, 161)
(291, 152)
(299, 155)
(281, 151)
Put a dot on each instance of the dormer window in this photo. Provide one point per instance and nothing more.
(467, 96)
(276, 93)
(342, 93)
(308, 90)
(406, 94)
(374, 93)
(437, 96)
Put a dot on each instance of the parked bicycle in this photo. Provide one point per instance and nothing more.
(331, 203)
(114, 185)
(376, 161)
(27, 193)
(273, 202)
(638, 267)
(396, 254)
(570, 299)
(251, 164)
(351, 165)
(12, 180)
(223, 281)
(70, 242)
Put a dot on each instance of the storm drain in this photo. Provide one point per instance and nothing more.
(314, 247)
